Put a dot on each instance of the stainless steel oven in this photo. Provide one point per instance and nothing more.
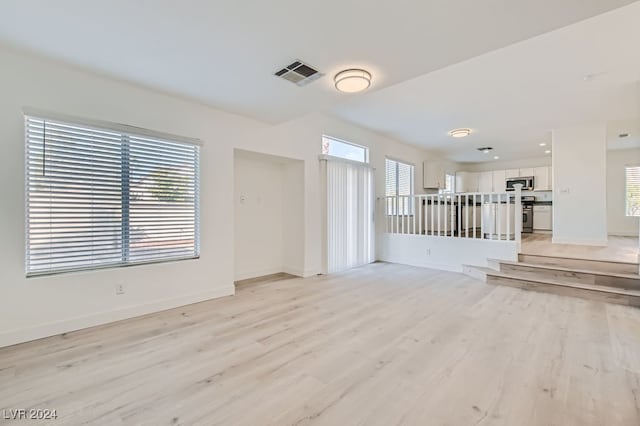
(526, 182)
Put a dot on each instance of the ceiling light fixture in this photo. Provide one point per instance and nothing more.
(542, 144)
(459, 133)
(548, 151)
(623, 135)
(495, 157)
(352, 80)
(485, 149)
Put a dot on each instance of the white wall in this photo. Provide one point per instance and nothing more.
(449, 254)
(48, 305)
(579, 185)
(268, 195)
(293, 218)
(618, 222)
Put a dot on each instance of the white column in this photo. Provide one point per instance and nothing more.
(580, 185)
(518, 213)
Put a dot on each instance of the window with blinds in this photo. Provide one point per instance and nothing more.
(632, 179)
(99, 197)
(399, 181)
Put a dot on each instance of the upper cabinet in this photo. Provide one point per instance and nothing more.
(542, 179)
(495, 181)
(526, 172)
(433, 175)
(499, 181)
(466, 182)
(511, 173)
(485, 182)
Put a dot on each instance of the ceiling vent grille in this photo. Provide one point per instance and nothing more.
(299, 73)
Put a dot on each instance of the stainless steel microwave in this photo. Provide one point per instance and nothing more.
(527, 183)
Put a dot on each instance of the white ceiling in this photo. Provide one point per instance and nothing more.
(513, 97)
(424, 56)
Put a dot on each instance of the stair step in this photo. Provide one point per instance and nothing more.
(587, 291)
(582, 264)
(564, 274)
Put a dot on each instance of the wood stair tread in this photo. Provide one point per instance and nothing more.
(619, 262)
(566, 269)
(592, 287)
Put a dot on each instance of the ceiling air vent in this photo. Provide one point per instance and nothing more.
(299, 73)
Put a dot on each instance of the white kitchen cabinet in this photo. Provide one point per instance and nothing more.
(472, 182)
(466, 182)
(499, 181)
(542, 179)
(542, 218)
(433, 175)
(511, 173)
(485, 182)
(462, 179)
(528, 172)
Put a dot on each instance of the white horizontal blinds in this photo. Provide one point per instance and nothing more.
(391, 185)
(633, 191)
(399, 181)
(163, 203)
(74, 197)
(405, 187)
(349, 215)
(97, 197)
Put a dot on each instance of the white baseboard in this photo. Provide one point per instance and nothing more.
(623, 234)
(54, 328)
(247, 275)
(293, 271)
(599, 243)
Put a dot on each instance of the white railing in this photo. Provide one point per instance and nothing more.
(477, 215)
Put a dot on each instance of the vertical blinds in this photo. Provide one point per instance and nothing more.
(350, 239)
(99, 197)
(399, 181)
(632, 191)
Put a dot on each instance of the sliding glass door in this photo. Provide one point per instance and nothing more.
(349, 214)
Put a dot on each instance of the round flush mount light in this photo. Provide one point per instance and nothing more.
(352, 80)
(542, 144)
(548, 151)
(495, 157)
(459, 133)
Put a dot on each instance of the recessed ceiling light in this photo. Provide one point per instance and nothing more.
(548, 151)
(352, 80)
(485, 149)
(542, 144)
(459, 133)
(495, 157)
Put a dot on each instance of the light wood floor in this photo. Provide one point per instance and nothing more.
(379, 345)
(621, 249)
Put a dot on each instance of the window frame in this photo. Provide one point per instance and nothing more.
(626, 189)
(448, 177)
(342, 141)
(126, 132)
(396, 208)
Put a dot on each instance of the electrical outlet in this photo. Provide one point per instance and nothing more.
(119, 288)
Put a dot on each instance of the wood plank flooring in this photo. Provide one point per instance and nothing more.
(379, 345)
(618, 249)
